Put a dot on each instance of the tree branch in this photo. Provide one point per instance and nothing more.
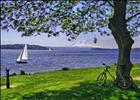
(110, 3)
(128, 19)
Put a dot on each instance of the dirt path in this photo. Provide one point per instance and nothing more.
(136, 78)
(4, 86)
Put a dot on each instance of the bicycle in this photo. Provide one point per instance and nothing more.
(122, 82)
(101, 79)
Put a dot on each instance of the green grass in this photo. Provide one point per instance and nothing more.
(78, 84)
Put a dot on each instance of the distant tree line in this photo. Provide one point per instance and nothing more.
(21, 46)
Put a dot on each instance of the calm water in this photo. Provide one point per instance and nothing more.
(43, 60)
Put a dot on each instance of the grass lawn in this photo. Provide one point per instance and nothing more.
(78, 84)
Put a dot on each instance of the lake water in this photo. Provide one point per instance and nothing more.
(43, 60)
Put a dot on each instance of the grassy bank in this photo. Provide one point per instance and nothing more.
(79, 84)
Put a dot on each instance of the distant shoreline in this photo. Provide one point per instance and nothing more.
(38, 47)
(21, 46)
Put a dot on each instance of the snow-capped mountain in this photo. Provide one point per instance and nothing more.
(84, 43)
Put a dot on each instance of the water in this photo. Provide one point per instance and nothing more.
(43, 60)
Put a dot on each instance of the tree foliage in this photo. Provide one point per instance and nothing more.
(69, 17)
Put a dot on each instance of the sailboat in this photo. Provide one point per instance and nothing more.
(50, 49)
(23, 57)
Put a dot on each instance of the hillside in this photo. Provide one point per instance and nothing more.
(21, 46)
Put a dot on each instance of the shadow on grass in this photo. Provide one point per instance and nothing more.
(86, 91)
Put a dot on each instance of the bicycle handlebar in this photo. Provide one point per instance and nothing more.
(105, 65)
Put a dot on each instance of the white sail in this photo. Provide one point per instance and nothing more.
(25, 53)
(23, 57)
(50, 49)
(19, 58)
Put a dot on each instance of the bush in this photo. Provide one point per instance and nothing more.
(13, 74)
(22, 72)
(65, 68)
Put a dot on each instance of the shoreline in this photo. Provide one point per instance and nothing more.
(48, 71)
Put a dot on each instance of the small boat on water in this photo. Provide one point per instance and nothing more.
(50, 49)
(23, 57)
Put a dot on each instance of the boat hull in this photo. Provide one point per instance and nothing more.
(20, 62)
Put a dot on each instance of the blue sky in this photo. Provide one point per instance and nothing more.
(14, 37)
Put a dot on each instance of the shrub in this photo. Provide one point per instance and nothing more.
(22, 72)
(13, 74)
(65, 68)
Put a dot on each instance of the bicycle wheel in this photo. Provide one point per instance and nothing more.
(101, 79)
(125, 83)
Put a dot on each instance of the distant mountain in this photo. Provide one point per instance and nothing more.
(90, 44)
(21, 46)
(83, 43)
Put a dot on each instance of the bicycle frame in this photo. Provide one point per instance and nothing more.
(101, 79)
(107, 71)
(123, 83)
(111, 75)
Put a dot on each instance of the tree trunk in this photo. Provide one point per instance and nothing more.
(122, 36)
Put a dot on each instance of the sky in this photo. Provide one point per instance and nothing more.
(14, 37)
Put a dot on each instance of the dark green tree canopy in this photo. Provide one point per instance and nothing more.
(69, 17)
